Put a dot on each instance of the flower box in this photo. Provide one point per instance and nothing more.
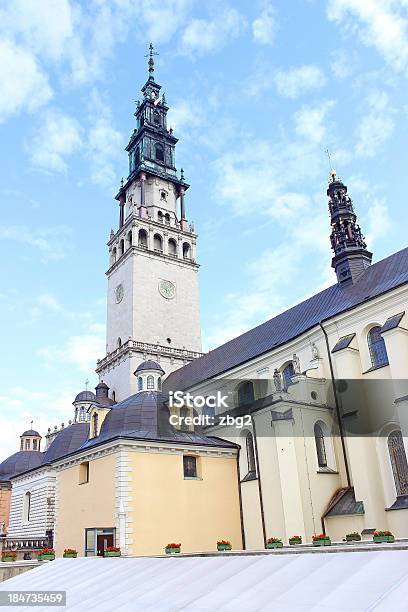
(172, 548)
(353, 537)
(8, 556)
(321, 540)
(383, 536)
(112, 551)
(46, 554)
(70, 555)
(295, 540)
(274, 543)
(224, 545)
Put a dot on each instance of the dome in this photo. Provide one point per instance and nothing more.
(31, 432)
(67, 441)
(102, 385)
(85, 396)
(149, 365)
(20, 462)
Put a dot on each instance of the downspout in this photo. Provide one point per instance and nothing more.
(241, 512)
(337, 406)
(259, 483)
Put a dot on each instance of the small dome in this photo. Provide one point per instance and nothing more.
(149, 365)
(18, 463)
(102, 385)
(85, 396)
(31, 432)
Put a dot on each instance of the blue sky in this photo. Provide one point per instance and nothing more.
(257, 92)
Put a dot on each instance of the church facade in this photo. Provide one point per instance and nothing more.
(312, 435)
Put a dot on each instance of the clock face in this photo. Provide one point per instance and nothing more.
(119, 293)
(167, 289)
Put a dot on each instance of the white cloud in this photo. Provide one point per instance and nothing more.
(264, 26)
(24, 86)
(57, 137)
(296, 81)
(378, 222)
(104, 143)
(342, 64)
(311, 121)
(205, 35)
(376, 126)
(380, 24)
(81, 350)
(162, 18)
(49, 241)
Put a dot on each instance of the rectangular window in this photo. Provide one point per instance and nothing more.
(34, 444)
(27, 444)
(84, 472)
(98, 540)
(190, 466)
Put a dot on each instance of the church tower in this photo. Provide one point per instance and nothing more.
(153, 296)
(351, 256)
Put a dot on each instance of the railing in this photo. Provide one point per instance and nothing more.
(24, 544)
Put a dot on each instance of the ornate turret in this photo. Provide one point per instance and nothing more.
(30, 440)
(351, 256)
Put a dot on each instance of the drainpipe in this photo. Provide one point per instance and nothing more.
(241, 512)
(337, 406)
(259, 483)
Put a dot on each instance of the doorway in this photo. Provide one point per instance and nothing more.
(103, 542)
(98, 540)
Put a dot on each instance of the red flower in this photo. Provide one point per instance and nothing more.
(271, 540)
(173, 545)
(71, 551)
(8, 553)
(224, 543)
(46, 551)
(112, 549)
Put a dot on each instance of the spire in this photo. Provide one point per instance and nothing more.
(150, 61)
(351, 256)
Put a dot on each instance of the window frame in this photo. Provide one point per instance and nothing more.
(377, 348)
(83, 473)
(190, 474)
(320, 444)
(400, 479)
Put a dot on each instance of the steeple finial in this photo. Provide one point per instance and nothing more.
(150, 61)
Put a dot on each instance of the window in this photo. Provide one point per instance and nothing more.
(156, 117)
(35, 445)
(163, 195)
(140, 383)
(320, 446)
(95, 424)
(160, 216)
(82, 414)
(376, 345)
(246, 393)
(119, 342)
(129, 240)
(249, 442)
(27, 444)
(150, 382)
(167, 219)
(172, 247)
(84, 472)
(122, 247)
(159, 153)
(287, 373)
(158, 243)
(190, 466)
(114, 255)
(27, 507)
(186, 250)
(399, 462)
(142, 239)
(159, 383)
(184, 413)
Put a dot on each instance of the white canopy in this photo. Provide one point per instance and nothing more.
(305, 582)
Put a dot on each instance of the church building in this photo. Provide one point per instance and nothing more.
(312, 435)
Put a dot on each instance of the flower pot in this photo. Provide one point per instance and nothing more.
(46, 557)
(294, 542)
(322, 542)
(171, 551)
(224, 547)
(274, 544)
(8, 559)
(112, 553)
(384, 538)
(70, 555)
(356, 538)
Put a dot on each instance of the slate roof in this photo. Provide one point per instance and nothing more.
(30, 432)
(392, 322)
(378, 278)
(18, 463)
(85, 396)
(67, 441)
(343, 343)
(343, 503)
(149, 365)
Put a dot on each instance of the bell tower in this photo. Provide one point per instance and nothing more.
(153, 296)
(351, 256)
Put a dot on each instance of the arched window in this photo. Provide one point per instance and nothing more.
(167, 219)
(376, 345)
(95, 424)
(186, 250)
(156, 117)
(172, 247)
(159, 383)
(287, 373)
(119, 342)
(27, 507)
(136, 157)
(142, 239)
(158, 243)
(246, 393)
(250, 452)
(35, 445)
(320, 445)
(122, 247)
(140, 383)
(82, 414)
(150, 382)
(129, 239)
(159, 152)
(114, 255)
(399, 462)
(160, 216)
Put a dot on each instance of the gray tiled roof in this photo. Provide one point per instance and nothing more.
(392, 322)
(67, 441)
(379, 278)
(18, 463)
(343, 343)
(344, 502)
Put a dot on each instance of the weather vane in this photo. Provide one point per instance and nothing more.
(86, 384)
(333, 172)
(150, 62)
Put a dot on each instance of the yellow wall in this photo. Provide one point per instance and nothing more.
(86, 505)
(168, 508)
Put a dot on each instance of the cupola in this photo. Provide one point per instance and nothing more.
(149, 376)
(30, 440)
